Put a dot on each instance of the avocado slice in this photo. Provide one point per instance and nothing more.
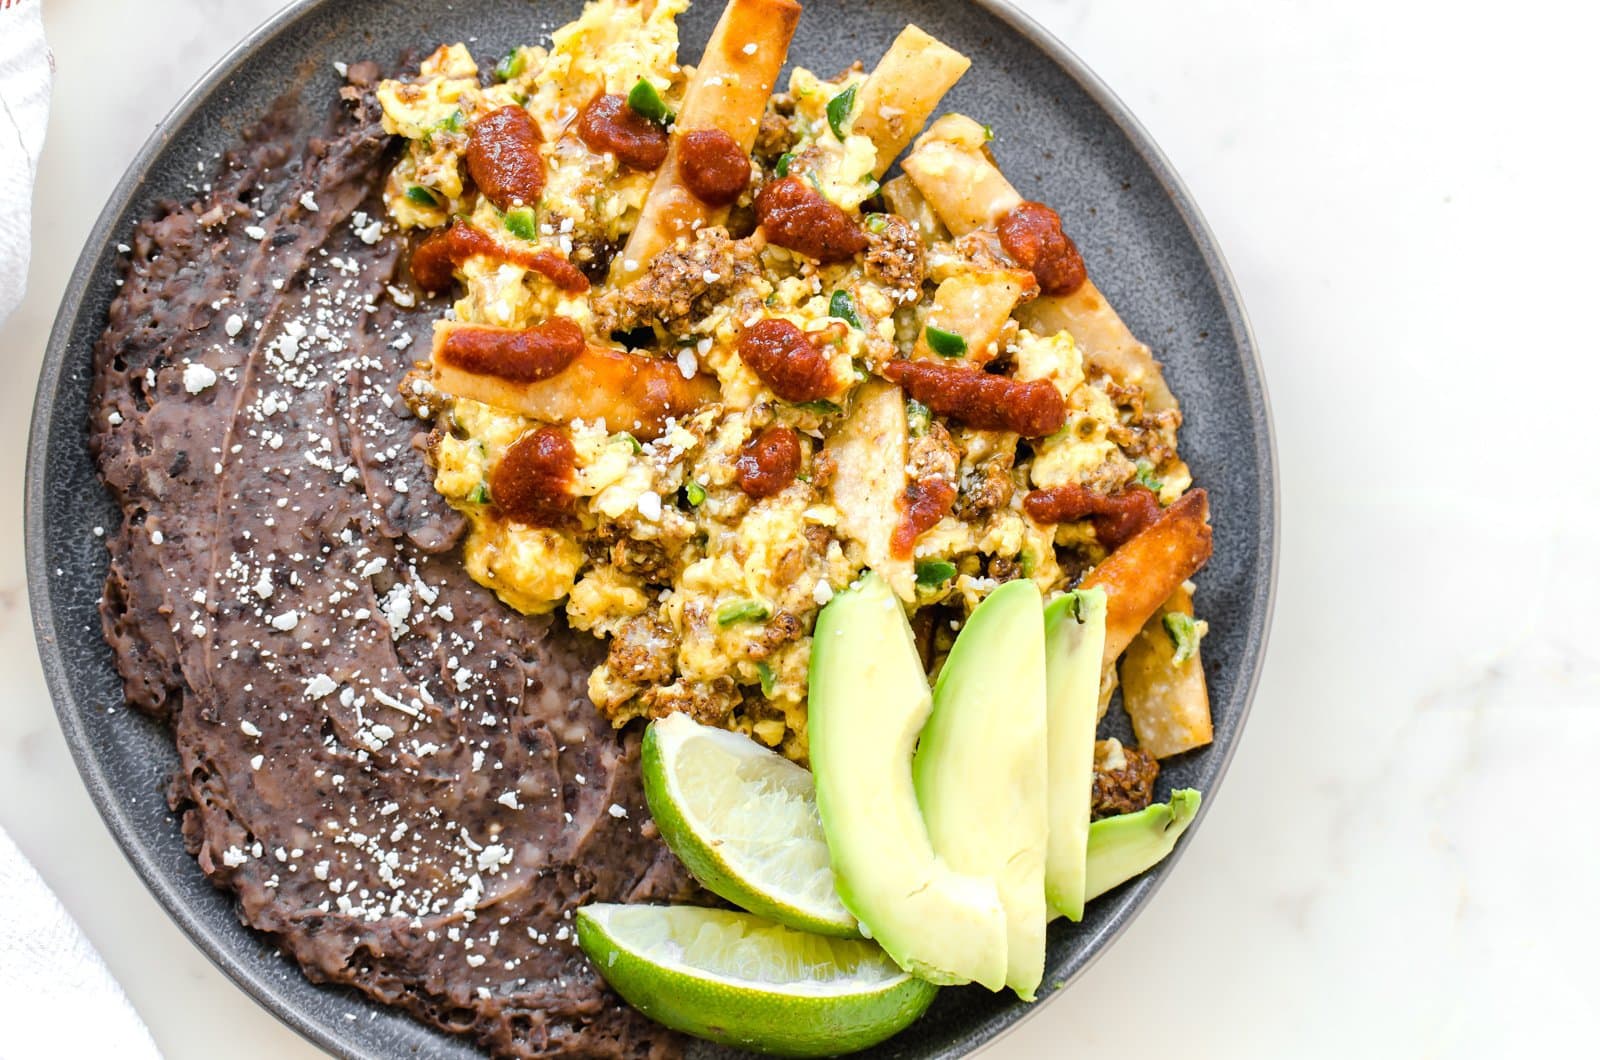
(1123, 846)
(1074, 637)
(869, 699)
(981, 767)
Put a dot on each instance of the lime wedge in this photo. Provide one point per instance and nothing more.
(739, 980)
(744, 821)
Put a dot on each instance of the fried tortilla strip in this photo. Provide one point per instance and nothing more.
(1144, 573)
(952, 169)
(629, 391)
(729, 91)
(1104, 339)
(905, 87)
(903, 198)
(869, 451)
(976, 305)
(1166, 700)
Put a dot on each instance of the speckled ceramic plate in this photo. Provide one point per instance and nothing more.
(1063, 138)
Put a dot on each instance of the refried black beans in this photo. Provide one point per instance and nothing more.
(400, 779)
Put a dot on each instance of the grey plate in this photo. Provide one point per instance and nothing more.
(1063, 138)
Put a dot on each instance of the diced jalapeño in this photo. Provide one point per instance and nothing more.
(839, 108)
(946, 343)
(842, 306)
(742, 611)
(647, 103)
(423, 196)
(522, 223)
(932, 573)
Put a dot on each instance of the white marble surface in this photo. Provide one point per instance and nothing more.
(1402, 861)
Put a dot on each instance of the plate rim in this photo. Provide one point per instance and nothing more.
(254, 981)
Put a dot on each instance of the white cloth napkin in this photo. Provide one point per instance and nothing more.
(24, 105)
(56, 997)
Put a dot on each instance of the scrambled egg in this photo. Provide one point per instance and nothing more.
(707, 595)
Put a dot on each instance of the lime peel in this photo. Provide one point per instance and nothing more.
(744, 821)
(738, 980)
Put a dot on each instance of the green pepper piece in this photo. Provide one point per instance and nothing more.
(1144, 475)
(523, 223)
(1185, 634)
(742, 611)
(932, 573)
(511, 66)
(695, 494)
(648, 104)
(842, 306)
(768, 679)
(423, 196)
(918, 417)
(945, 343)
(839, 108)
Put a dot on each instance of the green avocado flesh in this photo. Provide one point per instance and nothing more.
(1122, 847)
(869, 700)
(980, 768)
(1075, 639)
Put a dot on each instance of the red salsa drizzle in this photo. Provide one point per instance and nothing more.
(608, 124)
(769, 462)
(532, 483)
(798, 218)
(434, 262)
(924, 504)
(1031, 233)
(786, 360)
(715, 168)
(978, 399)
(1116, 517)
(524, 356)
(503, 157)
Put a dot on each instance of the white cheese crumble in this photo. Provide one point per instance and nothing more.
(233, 325)
(617, 810)
(255, 232)
(320, 687)
(198, 377)
(286, 621)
